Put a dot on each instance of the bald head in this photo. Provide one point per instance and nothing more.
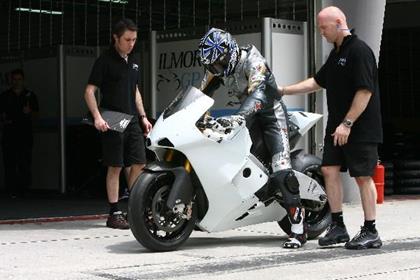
(334, 14)
(332, 24)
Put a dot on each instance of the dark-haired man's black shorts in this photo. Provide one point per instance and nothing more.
(359, 158)
(123, 149)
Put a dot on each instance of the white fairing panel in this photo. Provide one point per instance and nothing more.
(219, 165)
(304, 120)
(229, 174)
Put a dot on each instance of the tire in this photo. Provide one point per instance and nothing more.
(155, 226)
(388, 165)
(317, 220)
(407, 165)
(388, 191)
(410, 190)
(407, 174)
(407, 183)
(389, 187)
(389, 170)
(389, 174)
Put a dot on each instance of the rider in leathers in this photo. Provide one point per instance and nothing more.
(245, 73)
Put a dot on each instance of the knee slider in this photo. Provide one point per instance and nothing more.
(292, 183)
(286, 182)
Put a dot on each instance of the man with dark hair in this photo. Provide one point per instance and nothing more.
(116, 74)
(354, 126)
(18, 109)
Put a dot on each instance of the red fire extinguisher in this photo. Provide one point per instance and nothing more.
(379, 179)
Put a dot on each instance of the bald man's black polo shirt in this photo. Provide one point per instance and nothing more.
(348, 69)
(117, 79)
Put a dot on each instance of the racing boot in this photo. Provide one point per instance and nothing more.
(297, 237)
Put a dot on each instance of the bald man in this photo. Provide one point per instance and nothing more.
(354, 126)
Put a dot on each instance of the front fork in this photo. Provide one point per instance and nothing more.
(182, 190)
(169, 157)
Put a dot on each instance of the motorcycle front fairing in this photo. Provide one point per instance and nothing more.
(219, 165)
(178, 119)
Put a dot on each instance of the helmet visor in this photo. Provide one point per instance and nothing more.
(218, 68)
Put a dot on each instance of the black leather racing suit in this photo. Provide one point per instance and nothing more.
(254, 85)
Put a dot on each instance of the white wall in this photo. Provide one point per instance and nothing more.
(289, 61)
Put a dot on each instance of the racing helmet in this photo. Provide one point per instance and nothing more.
(218, 52)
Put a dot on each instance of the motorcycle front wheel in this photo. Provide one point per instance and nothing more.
(152, 223)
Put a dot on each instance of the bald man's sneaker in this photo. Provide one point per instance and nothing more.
(335, 234)
(365, 239)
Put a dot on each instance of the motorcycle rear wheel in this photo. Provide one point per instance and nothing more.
(152, 223)
(316, 222)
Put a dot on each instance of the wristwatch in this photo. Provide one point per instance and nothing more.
(347, 123)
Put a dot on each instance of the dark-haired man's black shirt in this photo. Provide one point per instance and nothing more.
(117, 78)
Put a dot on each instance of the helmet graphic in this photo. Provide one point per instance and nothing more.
(218, 52)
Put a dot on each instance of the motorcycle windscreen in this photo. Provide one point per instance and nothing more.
(182, 100)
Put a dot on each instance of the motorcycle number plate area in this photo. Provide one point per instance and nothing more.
(249, 179)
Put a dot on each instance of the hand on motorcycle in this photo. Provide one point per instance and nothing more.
(206, 121)
(341, 135)
(228, 123)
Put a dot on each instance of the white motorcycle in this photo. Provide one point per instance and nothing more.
(211, 178)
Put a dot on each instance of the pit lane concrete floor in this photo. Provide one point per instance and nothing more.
(88, 250)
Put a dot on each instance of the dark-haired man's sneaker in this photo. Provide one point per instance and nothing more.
(117, 220)
(125, 214)
(295, 241)
(365, 239)
(335, 234)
